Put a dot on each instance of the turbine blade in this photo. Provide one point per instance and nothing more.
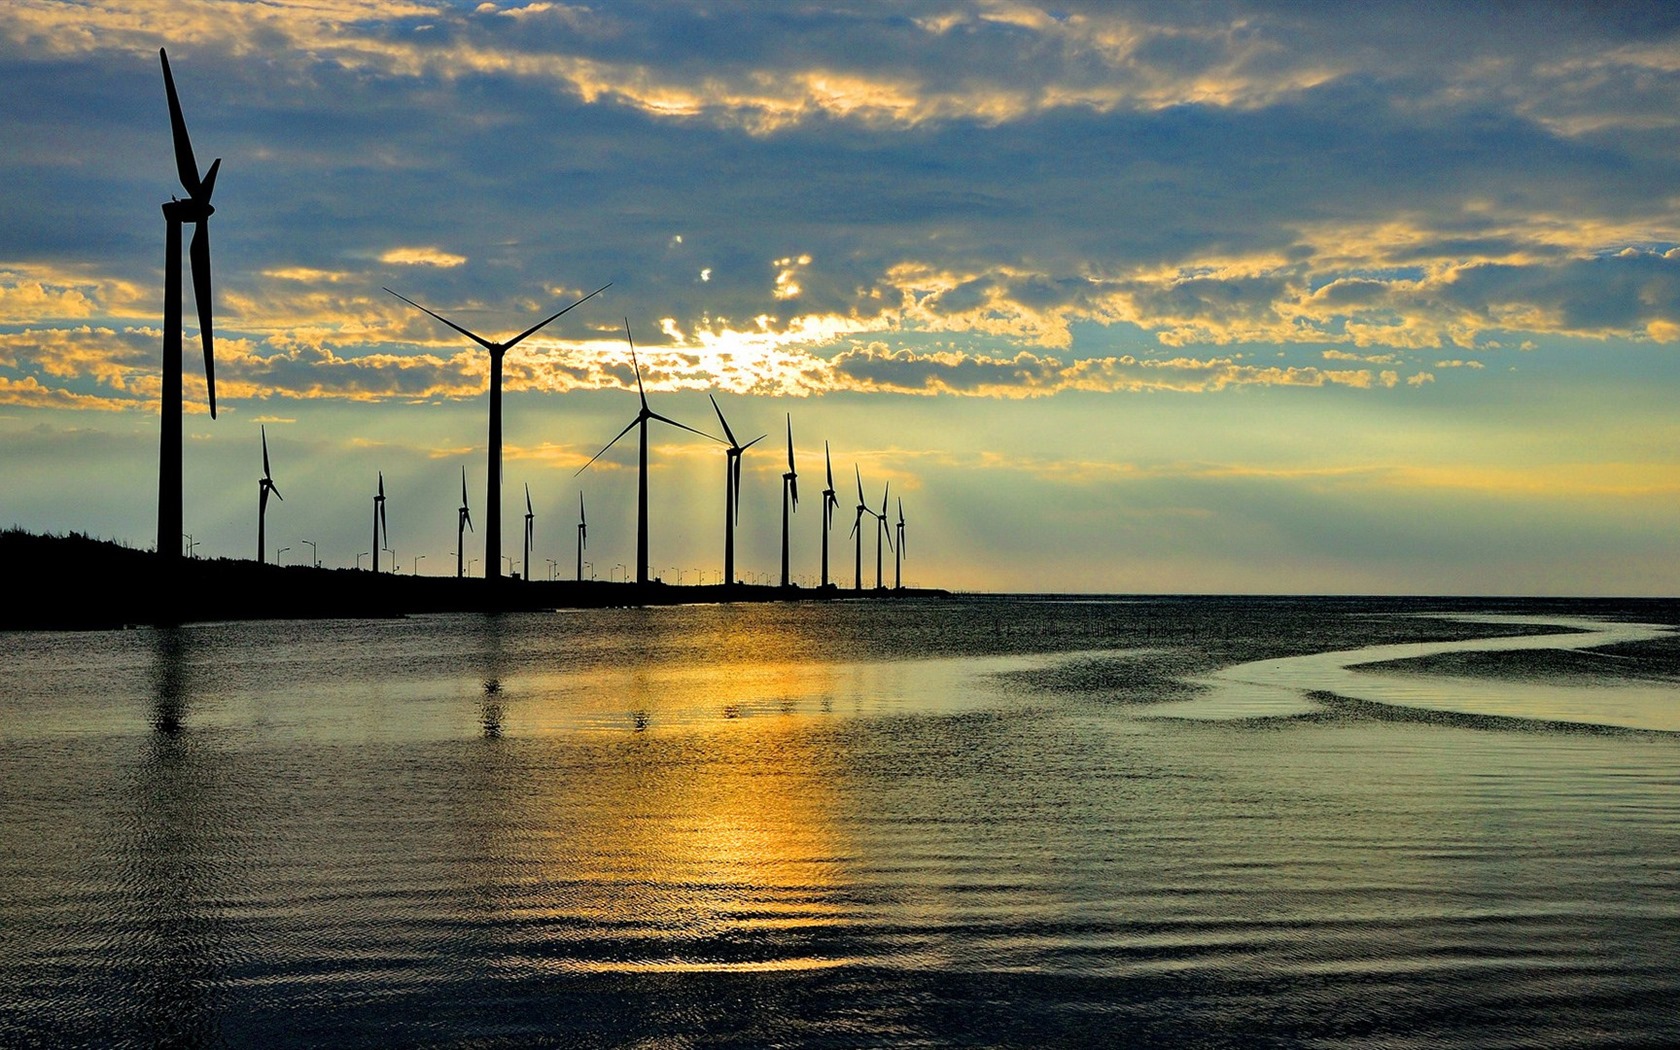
(272, 487)
(469, 521)
(207, 185)
(527, 500)
(737, 487)
(463, 488)
(754, 441)
(828, 464)
(790, 442)
(382, 484)
(515, 341)
(185, 166)
(474, 336)
(200, 252)
(640, 391)
(267, 474)
(793, 489)
(857, 523)
(884, 489)
(608, 445)
(860, 484)
(684, 426)
(730, 434)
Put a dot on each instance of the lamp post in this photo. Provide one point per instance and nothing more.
(277, 554)
(393, 554)
(314, 555)
(359, 558)
(417, 558)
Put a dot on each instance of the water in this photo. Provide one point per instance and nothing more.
(977, 822)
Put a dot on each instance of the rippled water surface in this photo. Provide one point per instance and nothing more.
(997, 822)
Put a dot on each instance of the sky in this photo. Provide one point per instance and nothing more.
(1121, 298)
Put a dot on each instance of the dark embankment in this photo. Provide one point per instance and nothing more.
(76, 582)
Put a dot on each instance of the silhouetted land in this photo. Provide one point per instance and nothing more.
(76, 582)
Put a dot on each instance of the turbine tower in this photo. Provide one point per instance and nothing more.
(790, 490)
(857, 531)
(641, 421)
(731, 492)
(831, 503)
(379, 524)
(493, 485)
(882, 532)
(197, 210)
(583, 536)
(265, 485)
(530, 531)
(898, 551)
(463, 523)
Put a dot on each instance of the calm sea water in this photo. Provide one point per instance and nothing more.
(988, 822)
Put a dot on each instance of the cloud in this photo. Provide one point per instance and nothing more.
(421, 257)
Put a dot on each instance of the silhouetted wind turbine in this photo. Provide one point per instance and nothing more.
(731, 492)
(379, 524)
(583, 536)
(857, 531)
(197, 210)
(882, 532)
(831, 503)
(898, 551)
(790, 490)
(530, 531)
(493, 485)
(463, 522)
(264, 486)
(641, 421)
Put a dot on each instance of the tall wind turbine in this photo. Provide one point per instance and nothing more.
(463, 522)
(883, 532)
(583, 535)
(831, 503)
(731, 492)
(898, 551)
(379, 525)
(265, 485)
(790, 490)
(530, 531)
(493, 485)
(641, 421)
(857, 531)
(197, 210)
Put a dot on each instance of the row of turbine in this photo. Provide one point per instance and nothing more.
(196, 209)
(884, 539)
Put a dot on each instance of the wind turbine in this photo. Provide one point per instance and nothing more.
(530, 531)
(379, 524)
(731, 492)
(898, 551)
(641, 421)
(265, 485)
(882, 532)
(583, 536)
(197, 210)
(463, 522)
(493, 485)
(790, 489)
(857, 531)
(831, 503)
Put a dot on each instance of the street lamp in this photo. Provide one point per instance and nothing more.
(394, 566)
(359, 558)
(314, 554)
(417, 558)
(281, 551)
